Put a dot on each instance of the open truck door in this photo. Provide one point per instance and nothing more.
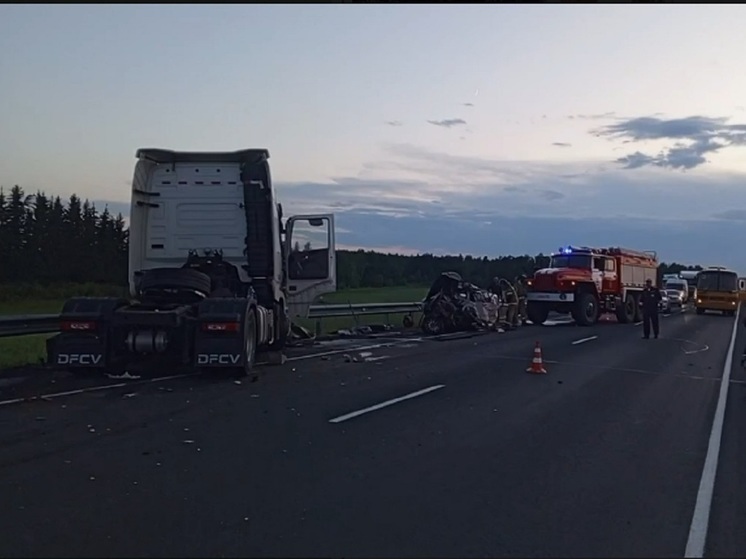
(311, 260)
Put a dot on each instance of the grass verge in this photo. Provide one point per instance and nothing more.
(23, 350)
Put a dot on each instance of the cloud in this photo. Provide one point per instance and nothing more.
(690, 242)
(448, 123)
(394, 123)
(694, 138)
(551, 195)
(468, 104)
(600, 116)
(431, 201)
(731, 215)
(561, 144)
(414, 199)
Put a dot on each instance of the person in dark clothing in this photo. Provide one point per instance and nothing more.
(650, 301)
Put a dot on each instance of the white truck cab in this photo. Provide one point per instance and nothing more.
(214, 273)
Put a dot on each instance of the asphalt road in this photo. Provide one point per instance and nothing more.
(417, 448)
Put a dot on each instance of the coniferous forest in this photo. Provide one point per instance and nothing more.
(45, 240)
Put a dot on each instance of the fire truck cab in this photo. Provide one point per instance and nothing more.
(588, 282)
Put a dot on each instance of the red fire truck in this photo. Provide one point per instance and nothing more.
(588, 282)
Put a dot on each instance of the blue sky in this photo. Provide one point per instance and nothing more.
(474, 129)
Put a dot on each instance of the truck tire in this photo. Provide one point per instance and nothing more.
(638, 308)
(626, 311)
(249, 345)
(176, 278)
(537, 313)
(283, 328)
(700, 311)
(586, 310)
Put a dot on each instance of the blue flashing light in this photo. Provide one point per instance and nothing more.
(565, 250)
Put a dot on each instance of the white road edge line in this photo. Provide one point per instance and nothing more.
(92, 389)
(695, 545)
(583, 340)
(385, 404)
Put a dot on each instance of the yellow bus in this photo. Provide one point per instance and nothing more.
(717, 290)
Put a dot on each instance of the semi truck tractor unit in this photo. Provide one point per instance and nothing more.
(215, 272)
(588, 282)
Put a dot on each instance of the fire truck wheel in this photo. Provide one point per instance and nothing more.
(586, 312)
(626, 312)
(537, 313)
(638, 308)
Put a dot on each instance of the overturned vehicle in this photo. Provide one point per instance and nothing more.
(454, 305)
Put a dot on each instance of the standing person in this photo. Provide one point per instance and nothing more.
(649, 301)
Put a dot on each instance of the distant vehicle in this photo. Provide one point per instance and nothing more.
(588, 282)
(717, 290)
(215, 274)
(691, 277)
(680, 285)
(665, 303)
(674, 297)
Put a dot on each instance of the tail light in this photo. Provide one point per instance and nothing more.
(78, 325)
(221, 326)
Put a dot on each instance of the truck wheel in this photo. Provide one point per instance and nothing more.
(537, 313)
(283, 328)
(249, 340)
(638, 309)
(626, 312)
(700, 311)
(586, 311)
(176, 278)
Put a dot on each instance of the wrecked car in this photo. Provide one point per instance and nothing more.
(455, 305)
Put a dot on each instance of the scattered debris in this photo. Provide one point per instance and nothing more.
(188, 441)
(365, 330)
(375, 359)
(129, 395)
(126, 376)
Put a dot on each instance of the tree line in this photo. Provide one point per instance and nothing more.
(46, 241)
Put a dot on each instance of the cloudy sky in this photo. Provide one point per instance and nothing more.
(474, 129)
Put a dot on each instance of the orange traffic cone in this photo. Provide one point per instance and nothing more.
(537, 365)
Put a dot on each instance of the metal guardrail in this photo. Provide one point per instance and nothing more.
(331, 311)
(24, 325)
